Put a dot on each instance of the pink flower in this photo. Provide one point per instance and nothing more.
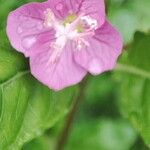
(64, 40)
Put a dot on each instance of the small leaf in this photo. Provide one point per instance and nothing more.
(135, 84)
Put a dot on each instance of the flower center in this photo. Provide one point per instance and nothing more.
(73, 28)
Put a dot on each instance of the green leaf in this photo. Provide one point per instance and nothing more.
(135, 84)
(11, 62)
(41, 143)
(129, 16)
(27, 108)
(104, 134)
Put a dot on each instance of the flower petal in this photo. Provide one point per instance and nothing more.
(93, 8)
(104, 49)
(60, 74)
(59, 8)
(25, 28)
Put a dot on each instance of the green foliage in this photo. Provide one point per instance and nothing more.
(11, 62)
(28, 108)
(99, 84)
(129, 16)
(102, 135)
(135, 84)
(41, 143)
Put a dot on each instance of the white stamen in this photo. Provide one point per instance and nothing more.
(89, 22)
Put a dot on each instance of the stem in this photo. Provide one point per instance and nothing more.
(65, 133)
(106, 6)
(132, 70)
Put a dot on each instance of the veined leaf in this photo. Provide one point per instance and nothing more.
(135, 84)
(27, 108)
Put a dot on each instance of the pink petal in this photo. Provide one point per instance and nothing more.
(59, 8)
(60, 74)
(104, 49)
(93, 8)
(25, 28)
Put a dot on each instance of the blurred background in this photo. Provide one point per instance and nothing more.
(98, 124)
(107, 118)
